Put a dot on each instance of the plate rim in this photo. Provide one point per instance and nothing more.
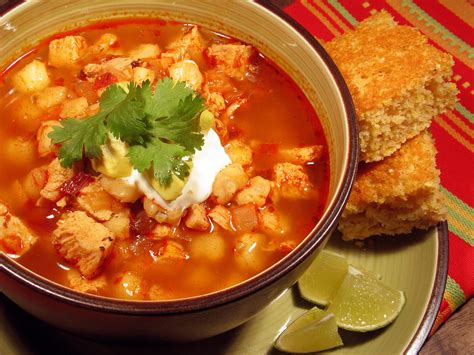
(436, 297)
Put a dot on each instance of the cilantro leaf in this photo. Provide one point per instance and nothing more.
(173, 111)
(79, 137)
(165, 159)
(161, 128)
(168, 97)
(182, 125)
(125, 113)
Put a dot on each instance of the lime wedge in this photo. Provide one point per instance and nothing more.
(315, 330)
(363, 303)
(319, 284)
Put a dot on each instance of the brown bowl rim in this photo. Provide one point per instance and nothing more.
(219, 298)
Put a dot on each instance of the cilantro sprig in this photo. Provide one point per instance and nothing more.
(161, 128)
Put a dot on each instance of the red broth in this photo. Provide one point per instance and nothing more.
(274, 116)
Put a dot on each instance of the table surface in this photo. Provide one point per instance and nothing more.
(456, 336)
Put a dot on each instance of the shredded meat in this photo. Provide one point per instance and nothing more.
(239, 152)
(221, 215)
(291, 180)
(196, 218)
(269, 220)
(256, 192)
(83, 242)
(94, 200)
(66, 52)
(57, 176)
(233, 59)
(119, 224)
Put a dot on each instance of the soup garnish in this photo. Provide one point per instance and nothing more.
(154, 160)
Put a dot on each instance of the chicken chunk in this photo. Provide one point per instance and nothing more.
(74, 108)
(78, 283)
(169, 251)
(83, 242)
(146, 50)
(161, 231)
(57, 175)
(106, 44)
(190, 46)
(119, 68)
(33, 77)
(97, 202)
(233, 59)
(15, 236)
(228, 181)
(239, 152)
(50, 97)
(303, 155)
(46, 148)
(66, 52)
(119, 224)
(196, 218)
(187, 71)
(269, 221)
(291, 181)
(221, 215)
(256, 192)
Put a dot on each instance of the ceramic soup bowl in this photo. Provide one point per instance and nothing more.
(285, 43)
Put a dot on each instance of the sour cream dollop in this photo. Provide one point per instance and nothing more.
(207, 163)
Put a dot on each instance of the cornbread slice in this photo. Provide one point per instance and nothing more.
(397, 194)
(397, 80)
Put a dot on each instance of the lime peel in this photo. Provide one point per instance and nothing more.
(320, 282)
(363, 303)
(315, 330)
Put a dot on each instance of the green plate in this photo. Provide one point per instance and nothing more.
(416, 264)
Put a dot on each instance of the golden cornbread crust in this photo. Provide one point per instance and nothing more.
(395, 195)
(397, 80)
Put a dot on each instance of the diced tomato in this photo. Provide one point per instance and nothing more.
(104, 80)
(76, 184)
(141, 224)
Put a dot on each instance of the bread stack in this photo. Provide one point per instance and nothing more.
(399, 83)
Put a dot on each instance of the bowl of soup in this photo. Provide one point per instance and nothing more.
(167, 172)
